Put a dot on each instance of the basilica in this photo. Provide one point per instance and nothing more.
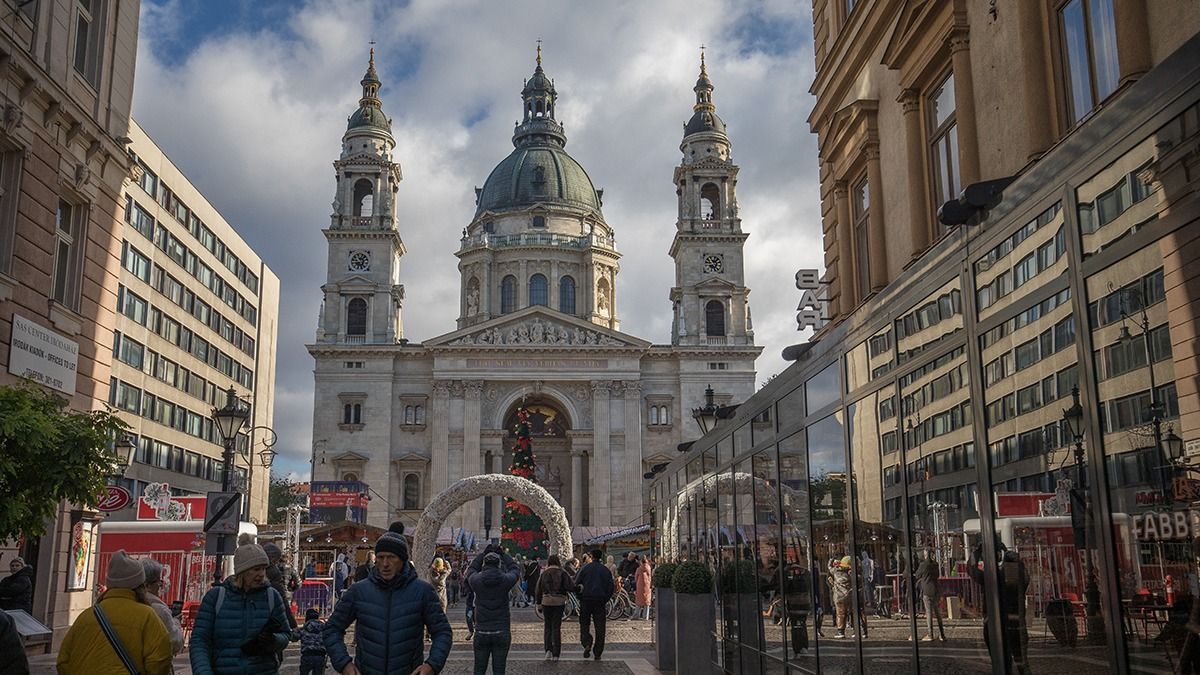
(538, 326)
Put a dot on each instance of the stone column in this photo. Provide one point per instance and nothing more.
(633, 451)
(472, 511)
(964, 107)
(576, 487)
(601, 496)
(1133, 39)
(876, 235)
(919, 221)
(497, 502)
(845, 235)
(439, 420)
(552, 285)
(1039, 115)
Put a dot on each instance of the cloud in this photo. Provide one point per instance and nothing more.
(253, 113)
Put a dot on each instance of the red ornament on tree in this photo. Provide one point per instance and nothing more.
(524, 534)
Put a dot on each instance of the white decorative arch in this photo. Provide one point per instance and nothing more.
(738, 481)
(561, 399)
(464, 490)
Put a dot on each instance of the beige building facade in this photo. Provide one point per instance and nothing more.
(197, 313)
(67, 68)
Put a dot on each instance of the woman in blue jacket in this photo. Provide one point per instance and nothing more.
(241, 627)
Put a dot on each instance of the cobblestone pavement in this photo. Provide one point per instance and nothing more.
(628, 650)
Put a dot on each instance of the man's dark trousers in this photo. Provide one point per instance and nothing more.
(494, 645)
(592, 611)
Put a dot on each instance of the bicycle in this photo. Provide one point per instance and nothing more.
(620, 606)
(571, 608)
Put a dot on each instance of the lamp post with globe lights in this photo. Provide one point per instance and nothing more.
(706, 415)
(1073, 418)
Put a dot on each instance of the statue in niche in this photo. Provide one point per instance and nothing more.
(602, 299)
(537, 333)
(472, 301)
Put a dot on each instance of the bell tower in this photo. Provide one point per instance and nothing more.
(362, 293)
(710, 298)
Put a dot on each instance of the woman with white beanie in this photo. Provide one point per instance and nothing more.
(241, 626)
(154, 583)
(120, 633)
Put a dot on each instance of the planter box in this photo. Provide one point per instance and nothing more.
(693, 633)
(664, 628)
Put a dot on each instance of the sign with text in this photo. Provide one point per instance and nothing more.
(333, 501)
(114, 498)
(539, 364)
(813, 310)
(1165, 525)
(41, 355)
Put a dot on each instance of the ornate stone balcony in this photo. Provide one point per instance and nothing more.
(553, 239)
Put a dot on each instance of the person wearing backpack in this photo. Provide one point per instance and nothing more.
(312, 648)
(120, 633)
(241, 626)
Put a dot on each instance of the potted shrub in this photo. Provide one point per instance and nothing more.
(692, 584)
(664, 615)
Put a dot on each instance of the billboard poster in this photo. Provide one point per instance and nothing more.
(82, 539)
(337, 501)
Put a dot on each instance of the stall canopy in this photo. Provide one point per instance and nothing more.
(621, 533)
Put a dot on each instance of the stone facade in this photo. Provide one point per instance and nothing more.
(539, 327)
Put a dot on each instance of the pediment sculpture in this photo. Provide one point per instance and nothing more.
(538, 332)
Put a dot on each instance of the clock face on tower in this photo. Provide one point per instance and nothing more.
(360, 261)
(713, 264)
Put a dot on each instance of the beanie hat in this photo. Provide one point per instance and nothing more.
(393, 541)
(312, 613)
(248, 554)
(272, 550)
(124, 572)
(153, 570)
(17, 559)
(492, 558)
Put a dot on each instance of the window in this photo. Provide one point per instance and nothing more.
(1089, 38)
(352, 413)
(653, 414)
(943, 141)
(10, 192)
(539, 222)
(148, 181)
(88, 19)
(131, 305)
(566, 295)
(136, 263)
(131, 352)
(356, 317)
(412, 492)
(710, 201)
(539, 293)
(508, 294)
(714, 318)
(128, 398)
(860, 204)
(364, 198)
(68, 253)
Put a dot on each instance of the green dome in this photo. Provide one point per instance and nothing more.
(516, 182)
(369, 116)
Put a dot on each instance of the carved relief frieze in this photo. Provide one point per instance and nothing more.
(537, 331)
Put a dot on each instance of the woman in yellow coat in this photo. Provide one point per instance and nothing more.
(86, 650)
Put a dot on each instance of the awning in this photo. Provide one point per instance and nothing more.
(616, 534)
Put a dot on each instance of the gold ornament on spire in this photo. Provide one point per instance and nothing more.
(703, 70)
(539, 52)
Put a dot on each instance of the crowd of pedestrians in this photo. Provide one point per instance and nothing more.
(244, 623)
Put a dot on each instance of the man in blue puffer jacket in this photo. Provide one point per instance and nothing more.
(393, 609)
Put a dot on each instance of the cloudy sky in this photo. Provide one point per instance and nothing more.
(250, 98)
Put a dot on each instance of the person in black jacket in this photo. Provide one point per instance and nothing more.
(12, 651)
(494, 574)
(16, 590)
(594, 584)
(628, 566)
(928, 574)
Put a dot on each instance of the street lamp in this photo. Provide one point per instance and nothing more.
(706, 415)
(229, 420)
(1157, 409)
(1173, 445)
(1073, 418)
(124, 448)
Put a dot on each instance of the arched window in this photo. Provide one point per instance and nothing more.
(350, 476)
(539, 290)
(566, 295)
(653, 414)
(508, 294)
(412, 492)
(710, 201)
(356, 317)
(539, 222)
(420, 414)
(665, 415)
(347, 413)
(410, 416)
(714, 318)
(364, 197)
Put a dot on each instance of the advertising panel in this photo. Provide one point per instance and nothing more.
(335, 501)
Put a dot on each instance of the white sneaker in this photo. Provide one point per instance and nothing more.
(549, 655)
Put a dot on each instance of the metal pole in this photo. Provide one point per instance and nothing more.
(226, 486)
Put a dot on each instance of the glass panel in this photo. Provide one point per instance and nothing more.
(803, 583)
(931, 321)
(727, 555)
(1037, 250)
(827, 489)
(791, 408)
(879, 530)
(1114, 202)
(1104, 47)
(938, 460)
(1076, 56)
(824, 388)
(767, 550)
(1153, 527)
(740, 582)
(741, 439)
(724, 450)
(941, 103)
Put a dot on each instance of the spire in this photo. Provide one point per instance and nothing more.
(703, 88)
(370, 107)
(538, 124)
(704, 113)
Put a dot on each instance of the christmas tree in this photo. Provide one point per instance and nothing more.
(521, 531)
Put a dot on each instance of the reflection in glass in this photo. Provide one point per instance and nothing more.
(801, 581)
(823, 388)
(767, 552)
(831, 547)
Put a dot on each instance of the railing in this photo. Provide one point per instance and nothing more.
(554, 239)
(356, 339)
(714, 340)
